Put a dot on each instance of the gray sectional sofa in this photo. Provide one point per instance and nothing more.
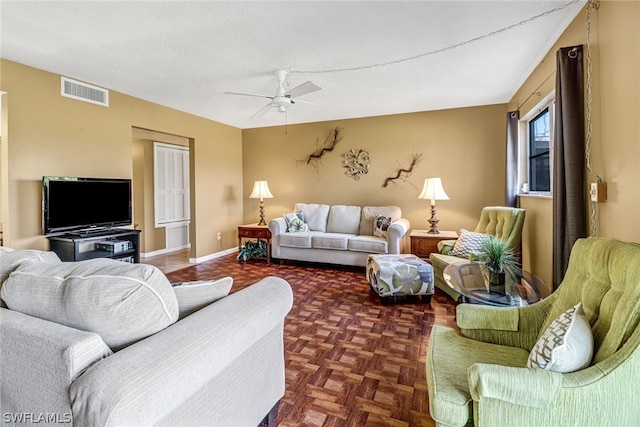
(101, 343)
(338, 234)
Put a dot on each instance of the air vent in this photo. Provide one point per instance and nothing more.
(84, 92)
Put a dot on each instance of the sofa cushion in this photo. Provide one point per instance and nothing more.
(441, 261)
(331, 241)
(121, 302)
(192, 296)
(369, 214)
(12, 258)
(369, 244)
(315, 215)
(344, 219)
(566, 345)
(300, 240)
(449, 356)
(499, 221)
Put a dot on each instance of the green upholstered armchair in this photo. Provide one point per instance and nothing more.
(479, 377)
(500, 221)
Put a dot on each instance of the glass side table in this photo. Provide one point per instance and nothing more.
(468, 280)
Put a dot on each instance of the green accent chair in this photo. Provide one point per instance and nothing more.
(500, 221)
(478, 377)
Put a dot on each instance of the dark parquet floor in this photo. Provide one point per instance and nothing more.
(350, 361)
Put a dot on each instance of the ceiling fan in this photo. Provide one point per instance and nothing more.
(282, 98)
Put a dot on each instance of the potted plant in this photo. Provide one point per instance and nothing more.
(251, 249)
(499, 259)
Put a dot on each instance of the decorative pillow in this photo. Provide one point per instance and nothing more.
(297, 225)
(369, 214)
(121, 302)
(467, 243)
(566, 345)
(381, 226)
(192, 296)
(288, 217)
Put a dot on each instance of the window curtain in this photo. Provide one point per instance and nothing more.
(569, 206)
(511, 177)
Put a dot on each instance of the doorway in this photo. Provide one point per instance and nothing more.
(156, 239)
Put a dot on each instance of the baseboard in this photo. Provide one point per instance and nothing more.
(191, 260)
(213, 256)
(163, 251)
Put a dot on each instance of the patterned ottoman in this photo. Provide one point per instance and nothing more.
(392, 276)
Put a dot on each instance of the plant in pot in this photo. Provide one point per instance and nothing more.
(252, 249)
(499, 259)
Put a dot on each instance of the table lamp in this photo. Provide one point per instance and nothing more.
(261, 191)
(433, 191)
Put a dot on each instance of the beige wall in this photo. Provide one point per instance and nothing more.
(537, 239)
(465, 147)
(615, 153)
(616, 139)
(48, 134)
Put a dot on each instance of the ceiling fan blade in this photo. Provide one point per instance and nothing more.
(304, 102)
(303, 89)
(261, 111)
(248, 94)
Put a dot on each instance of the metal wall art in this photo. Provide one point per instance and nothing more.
(357, 163)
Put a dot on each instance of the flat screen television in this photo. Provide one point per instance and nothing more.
(72, 204)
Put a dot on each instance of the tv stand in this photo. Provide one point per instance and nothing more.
(92, 232)
(116, 243)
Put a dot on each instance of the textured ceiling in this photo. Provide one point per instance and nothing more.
(369, 58)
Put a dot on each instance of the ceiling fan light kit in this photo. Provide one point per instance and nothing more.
(283, 98)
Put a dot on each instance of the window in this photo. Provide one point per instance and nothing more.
(536, 149)
(539, 152)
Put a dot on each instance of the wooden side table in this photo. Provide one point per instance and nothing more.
(257, 232)
(424, 243)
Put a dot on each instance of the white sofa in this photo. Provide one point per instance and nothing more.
(338, 234)
(220, 366)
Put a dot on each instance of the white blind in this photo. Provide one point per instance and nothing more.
(171, 183)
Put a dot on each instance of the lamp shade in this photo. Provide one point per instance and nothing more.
(261, 191)
(433, 190)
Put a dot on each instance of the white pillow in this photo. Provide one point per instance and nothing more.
(290, 216)
(566, 345)
(296, 225)
(121, 302)
(467, 243)
(192, 296)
